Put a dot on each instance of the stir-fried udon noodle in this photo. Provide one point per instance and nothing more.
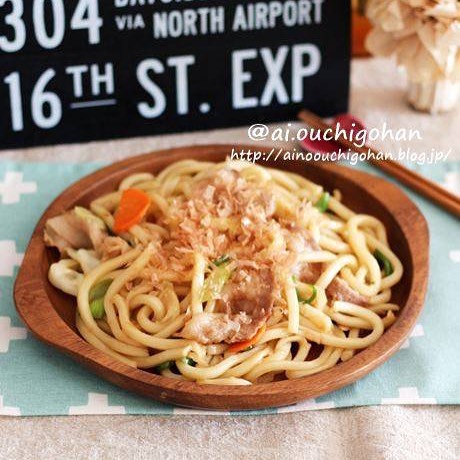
(225, 273)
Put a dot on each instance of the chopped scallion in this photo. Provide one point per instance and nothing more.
(323, 203)
(225, 259)
(99, 289)
(96, 298)
(311, 298)
(384, 262)
(97, 308)
(163, 366)
(189, 361)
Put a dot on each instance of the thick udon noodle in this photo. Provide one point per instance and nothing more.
(141, 324)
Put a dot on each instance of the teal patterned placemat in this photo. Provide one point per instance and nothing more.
(37, 380)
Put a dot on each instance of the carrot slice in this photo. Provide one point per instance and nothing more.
(240, 346)
(133, 206)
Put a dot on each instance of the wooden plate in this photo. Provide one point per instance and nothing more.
(50, 314)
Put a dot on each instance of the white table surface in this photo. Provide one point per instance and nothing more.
(390, 432)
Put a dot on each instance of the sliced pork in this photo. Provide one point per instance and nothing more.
(208, 328)
(248, 299)
(300, 240)
(340, 290)
(247, 302)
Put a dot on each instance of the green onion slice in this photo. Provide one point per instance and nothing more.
(323, 203)
(248, 348)
(311, 298)
(97, 308)
(163, 366)
(222, 260)
(99, 289)
(189, 361)
(384, 263)
(96, 298)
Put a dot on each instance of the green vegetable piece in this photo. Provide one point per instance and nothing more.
(311, 298)
(189, 361)
(384, 263)
(99, 289)
(222, 260)
(88, 216)
(215, 282)
(97, 308)
(248, 348)
(163, 366)
(323, 203)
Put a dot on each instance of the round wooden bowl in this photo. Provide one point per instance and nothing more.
(50, 314)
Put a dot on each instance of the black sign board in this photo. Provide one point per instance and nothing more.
(80, 70)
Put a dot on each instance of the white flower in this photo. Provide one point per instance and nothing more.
(424, 35)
